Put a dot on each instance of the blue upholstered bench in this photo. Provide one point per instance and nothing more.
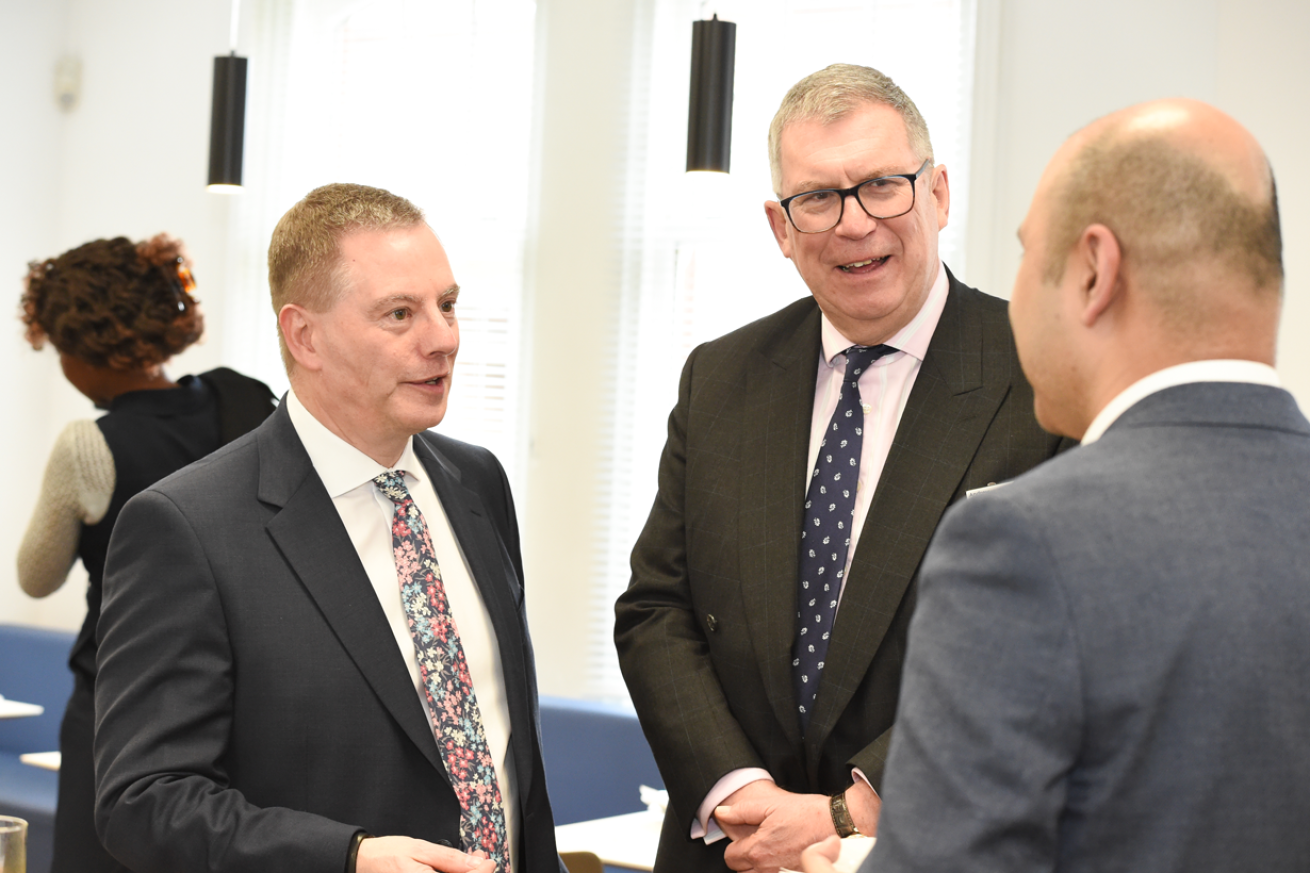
(596, 759)
(33, 669)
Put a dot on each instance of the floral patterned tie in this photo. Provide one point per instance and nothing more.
(456, 720)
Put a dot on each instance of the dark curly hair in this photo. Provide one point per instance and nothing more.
(113, 303)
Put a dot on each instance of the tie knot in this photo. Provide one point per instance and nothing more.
(858, 359)
(392, 485)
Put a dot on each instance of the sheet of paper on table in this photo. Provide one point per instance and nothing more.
(14, 709)
(44, 760)
(621, 840)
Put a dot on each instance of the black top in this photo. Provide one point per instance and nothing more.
(152, 434)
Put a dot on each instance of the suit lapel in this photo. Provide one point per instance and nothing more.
(779, 392)
(501, 593)
(313, 541)
(945, 420)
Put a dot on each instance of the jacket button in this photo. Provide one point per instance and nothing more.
(712, 623)
(445, 843)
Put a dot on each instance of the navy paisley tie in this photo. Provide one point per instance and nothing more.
(826, 535)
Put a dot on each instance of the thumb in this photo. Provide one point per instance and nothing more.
(829, 848)
(743, 813)
(729, 815)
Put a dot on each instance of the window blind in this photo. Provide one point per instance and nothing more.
(431, 101)
(698, 257)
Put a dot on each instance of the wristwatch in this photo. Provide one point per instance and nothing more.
(359, 837)
(841, 816)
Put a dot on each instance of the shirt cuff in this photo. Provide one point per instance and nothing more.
(857, 773)
(705, 827)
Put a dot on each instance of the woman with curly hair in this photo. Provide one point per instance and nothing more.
(115, 312)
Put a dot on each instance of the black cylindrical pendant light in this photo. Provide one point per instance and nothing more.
(227, 124)
(709, 119)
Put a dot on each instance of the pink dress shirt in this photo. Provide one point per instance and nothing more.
(884, 389)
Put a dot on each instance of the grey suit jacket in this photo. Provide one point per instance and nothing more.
(253, 710)
(705, 630)
(1108, 667)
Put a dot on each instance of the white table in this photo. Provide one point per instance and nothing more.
(621, 840)
(14, 709)
(44, 760)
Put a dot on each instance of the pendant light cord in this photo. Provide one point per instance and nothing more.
(236, 18)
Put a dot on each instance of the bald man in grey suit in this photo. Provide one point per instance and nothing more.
(1107, 667)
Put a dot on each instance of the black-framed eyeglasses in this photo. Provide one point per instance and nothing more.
(884, 197)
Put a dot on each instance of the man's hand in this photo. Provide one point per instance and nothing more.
(405, 855)
(865, 806)
(769, 826)
(819, 857)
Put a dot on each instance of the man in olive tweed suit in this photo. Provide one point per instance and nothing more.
(707, 629)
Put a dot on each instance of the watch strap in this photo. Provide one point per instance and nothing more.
(841, 816)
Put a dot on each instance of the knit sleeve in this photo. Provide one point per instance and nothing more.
(76, 490)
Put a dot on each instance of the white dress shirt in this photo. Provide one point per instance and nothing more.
(1218, 370)
(884, 390)
(347, 474)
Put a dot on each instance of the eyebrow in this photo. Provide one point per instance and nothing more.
(386, 303)
(882, 173)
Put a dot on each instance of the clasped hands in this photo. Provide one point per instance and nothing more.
(770, 827)
(406, 855)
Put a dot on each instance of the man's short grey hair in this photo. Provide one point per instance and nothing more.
(835, 92)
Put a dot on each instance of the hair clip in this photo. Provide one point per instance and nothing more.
(187, 283)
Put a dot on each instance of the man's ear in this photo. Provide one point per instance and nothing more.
(941, 194)
(1097, 258)
(298, 331)
(778, 224)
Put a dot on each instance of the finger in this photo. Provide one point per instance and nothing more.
(736, 858)
(829, 849)
(736, 832)
(816, 860)
(743, 813)
(445, 860)
(727, 815)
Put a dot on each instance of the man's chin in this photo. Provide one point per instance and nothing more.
(427, 419)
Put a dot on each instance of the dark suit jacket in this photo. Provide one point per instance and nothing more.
(253, 709)
(1107, 669)
(705, 630)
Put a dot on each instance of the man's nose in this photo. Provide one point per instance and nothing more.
(855, 219)
(441, 334)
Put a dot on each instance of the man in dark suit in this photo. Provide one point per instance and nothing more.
(313, 648)
(894, 372)
(1143, 705)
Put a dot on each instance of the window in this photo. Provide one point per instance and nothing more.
(430, 101)
(692, 273)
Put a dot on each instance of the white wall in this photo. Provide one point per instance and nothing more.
(1059, 65)
(131, 160)
(573, 303)
(32, 37)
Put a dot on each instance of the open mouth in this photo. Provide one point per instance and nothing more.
(860, 265)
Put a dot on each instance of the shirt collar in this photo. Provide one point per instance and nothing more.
(1180, 374)
(912, 339)
(341, 466)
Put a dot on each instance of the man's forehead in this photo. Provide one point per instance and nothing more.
(872, 135)
(359, 237)
(376, 262)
